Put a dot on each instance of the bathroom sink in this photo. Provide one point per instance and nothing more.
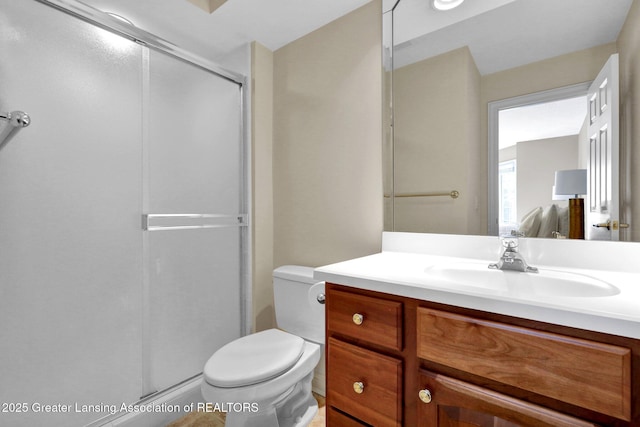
(545, 283)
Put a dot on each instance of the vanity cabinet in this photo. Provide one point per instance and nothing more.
(397, 361)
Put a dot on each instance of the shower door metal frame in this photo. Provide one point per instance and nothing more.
(154, 222)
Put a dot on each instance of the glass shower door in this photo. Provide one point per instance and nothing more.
(193, 198)
(122, 218)
(70, 206)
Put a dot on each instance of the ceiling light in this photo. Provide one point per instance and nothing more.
(122, 19)
(445, 4)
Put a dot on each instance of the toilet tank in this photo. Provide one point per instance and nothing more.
(297, 309)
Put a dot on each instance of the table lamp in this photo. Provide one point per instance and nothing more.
(573, 183)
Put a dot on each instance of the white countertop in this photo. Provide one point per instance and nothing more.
(408, 274)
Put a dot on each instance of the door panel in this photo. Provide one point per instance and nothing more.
(602, 204)
(193, 171)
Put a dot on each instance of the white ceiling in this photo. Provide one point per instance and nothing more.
(503, 34)
(415, 18)
(273, 23)
(540, 121)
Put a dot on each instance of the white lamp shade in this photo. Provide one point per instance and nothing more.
(570, 182)
(556, 196)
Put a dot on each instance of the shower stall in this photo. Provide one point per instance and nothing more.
(123, 215)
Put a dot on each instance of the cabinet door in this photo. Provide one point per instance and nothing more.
(448, 402)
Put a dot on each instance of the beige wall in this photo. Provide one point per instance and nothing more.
(316, 150)
(537, 162)
(629, 49)
(262, 185)
(436, 137)
(327, 142)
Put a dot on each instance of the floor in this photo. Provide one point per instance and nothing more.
(216, 419)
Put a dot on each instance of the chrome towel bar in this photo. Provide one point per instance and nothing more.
(454, 194)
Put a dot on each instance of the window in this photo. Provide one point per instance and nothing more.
(508, 213)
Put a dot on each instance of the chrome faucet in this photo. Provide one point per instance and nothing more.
(511, 258)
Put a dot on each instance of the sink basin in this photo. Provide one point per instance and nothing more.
(549, 283)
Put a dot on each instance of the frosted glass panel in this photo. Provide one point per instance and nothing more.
(194, 299)
(70, 206)
(194, 143)
(194, 159)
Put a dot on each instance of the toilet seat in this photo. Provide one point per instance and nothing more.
(253, 359)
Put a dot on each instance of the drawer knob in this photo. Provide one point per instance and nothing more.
(358, 319)
(425, 395)
(358, 387)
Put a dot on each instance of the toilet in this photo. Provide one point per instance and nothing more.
(265, 379)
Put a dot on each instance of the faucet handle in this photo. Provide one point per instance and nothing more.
(509, 242)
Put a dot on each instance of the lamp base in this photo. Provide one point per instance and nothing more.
(576, 218)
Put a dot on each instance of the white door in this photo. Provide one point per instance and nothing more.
(602, 202)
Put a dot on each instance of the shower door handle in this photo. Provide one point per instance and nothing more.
(159, 222)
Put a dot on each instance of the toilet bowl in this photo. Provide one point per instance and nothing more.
(265, 379)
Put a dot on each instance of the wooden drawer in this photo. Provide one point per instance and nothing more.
(381, 319)
(580, 372)
(380, 402)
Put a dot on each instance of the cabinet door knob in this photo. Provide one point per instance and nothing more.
(425, 395)
(358, 319)
(358, 387)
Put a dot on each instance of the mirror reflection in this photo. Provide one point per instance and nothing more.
(493, 100)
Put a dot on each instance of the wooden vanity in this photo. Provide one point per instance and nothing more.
(399, 361)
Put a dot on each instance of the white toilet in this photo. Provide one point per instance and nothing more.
(265, 379)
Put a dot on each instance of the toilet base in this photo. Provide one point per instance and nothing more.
(283, 401)
(295, 408)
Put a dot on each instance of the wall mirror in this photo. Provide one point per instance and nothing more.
(486, 101)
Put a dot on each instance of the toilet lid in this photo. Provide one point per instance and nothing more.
(253, 359)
